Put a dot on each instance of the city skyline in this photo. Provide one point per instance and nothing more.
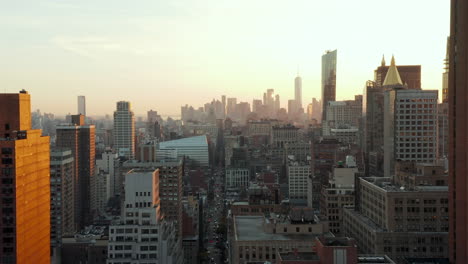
(68, 49)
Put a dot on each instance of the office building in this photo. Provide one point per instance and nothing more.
(170, 187)
(284, 134)
(62, 222)
(82, 105)
(237, 178)
(410, 127)
(399, 221)
(328, 80)
(298, 173)
(342, 114)
(25, 172)
(193, 148)
(458, 144)
(124, 130)
(141, 236)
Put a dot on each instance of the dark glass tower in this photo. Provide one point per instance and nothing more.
(328, 80)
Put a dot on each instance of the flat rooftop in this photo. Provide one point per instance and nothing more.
(250, 228)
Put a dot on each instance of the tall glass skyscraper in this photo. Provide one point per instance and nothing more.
(328, 80)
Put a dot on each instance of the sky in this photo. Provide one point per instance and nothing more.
(161, 55)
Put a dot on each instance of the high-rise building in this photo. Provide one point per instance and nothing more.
(298, 91)
(231, 106)
(124, 130)
(410, 75)
(142, 237)
(328, 80)
(62, 197)
(458, 144)
(410, 127)
(25, 184)
(80, 139)
(82, 105)
(170, 188)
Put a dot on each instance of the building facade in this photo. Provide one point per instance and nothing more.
(80, 139)
(25, 173)
(124, 130)
(328, 80)
(62, 197)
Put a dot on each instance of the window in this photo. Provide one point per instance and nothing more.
(7, 151)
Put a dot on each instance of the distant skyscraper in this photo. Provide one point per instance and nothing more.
(82, 105)
(316, 110)
(80, 139)
(223, 100)
(25, 184)
(458, 143)
(231, 106)
(277, 103)
(298, 91)
(124, 130)
(328, 80)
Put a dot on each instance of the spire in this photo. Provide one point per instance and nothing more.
(393, 77)
(383, 60)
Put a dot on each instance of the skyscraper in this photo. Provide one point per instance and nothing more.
(82, 105)
(124, 130)
(298, 91)
(80, 139)
(62, 197)
(25, 184)
(458, 129)
(328, 80)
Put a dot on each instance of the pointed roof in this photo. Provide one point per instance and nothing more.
(393, 77)
(383, 60)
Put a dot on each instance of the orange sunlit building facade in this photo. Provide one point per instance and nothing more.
(24, 184)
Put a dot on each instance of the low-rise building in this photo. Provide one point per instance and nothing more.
(260, 238)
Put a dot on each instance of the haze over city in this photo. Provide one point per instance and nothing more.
(164, 54)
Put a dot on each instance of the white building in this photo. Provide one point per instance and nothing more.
(298, 175)
(124, 130)
(410, 127)
(100, 193)
(141, 236)
(237, 178)
(109, 164)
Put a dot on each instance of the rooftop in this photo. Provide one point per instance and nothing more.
(250, 228)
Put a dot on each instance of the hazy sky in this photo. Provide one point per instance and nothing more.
(163, 54)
